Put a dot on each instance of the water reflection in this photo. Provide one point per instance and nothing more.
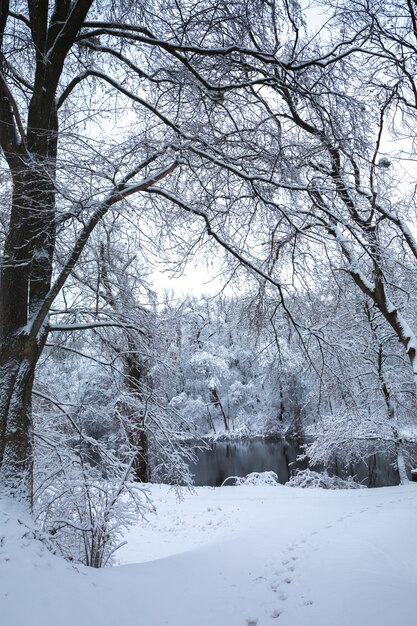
(239, 458)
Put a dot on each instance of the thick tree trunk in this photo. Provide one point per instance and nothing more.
(17, 367)
(25, 279)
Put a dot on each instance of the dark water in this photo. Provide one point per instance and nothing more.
(377, 470)
(239, 458)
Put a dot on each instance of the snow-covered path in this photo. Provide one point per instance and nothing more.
(237, 556)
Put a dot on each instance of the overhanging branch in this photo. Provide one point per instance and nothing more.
(119, 193)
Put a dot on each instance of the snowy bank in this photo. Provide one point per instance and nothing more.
(232, 556)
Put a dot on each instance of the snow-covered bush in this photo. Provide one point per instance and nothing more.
(309, 479)
(85, 497)
(255, 479)
(95, 428)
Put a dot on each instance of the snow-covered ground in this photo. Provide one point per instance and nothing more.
(231, 556)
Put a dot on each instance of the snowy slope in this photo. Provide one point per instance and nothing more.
(233, 556)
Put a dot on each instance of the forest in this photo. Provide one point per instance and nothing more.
(270, 142)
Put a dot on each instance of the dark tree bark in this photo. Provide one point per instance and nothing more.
(137, 434)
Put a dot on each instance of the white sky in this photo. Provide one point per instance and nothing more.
(197, 279)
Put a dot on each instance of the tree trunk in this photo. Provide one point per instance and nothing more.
(398, 442)
(215, 400)
(140, 466)
(17, 368)
(137, 437)
(25, 279)
(391, 412)
(137, 433)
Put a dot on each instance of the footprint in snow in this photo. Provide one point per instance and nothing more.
(259, 579)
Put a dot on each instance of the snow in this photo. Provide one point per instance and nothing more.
(230, 556)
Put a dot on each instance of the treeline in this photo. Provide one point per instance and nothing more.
(233, 366)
